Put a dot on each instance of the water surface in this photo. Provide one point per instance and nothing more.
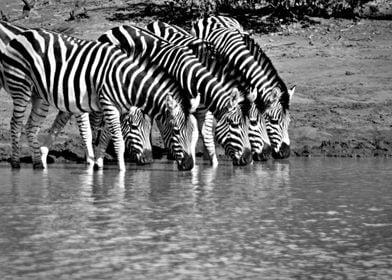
(295, 219)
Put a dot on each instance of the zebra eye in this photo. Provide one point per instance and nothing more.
(176, 129)
(274, 121)
(234, 124)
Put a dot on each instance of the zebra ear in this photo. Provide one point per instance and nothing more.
(234, 98)
(252, 95)
(171, 104)
(275, 95)
(291, 92)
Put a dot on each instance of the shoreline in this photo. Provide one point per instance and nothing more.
(342, 70)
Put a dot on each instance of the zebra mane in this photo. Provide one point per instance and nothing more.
(264, 61)
(193, 43)
(212, 54)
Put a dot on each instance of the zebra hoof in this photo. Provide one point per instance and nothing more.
(97, 167)
(214, 162)
(38, 165)
(15, 164)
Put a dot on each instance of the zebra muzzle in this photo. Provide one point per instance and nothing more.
(144, 158)
(284, 152)
(264, 155)
(244, 159)
(185, 163)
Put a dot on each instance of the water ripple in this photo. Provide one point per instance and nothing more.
(297, 219)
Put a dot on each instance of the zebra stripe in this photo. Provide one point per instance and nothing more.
(217, 65)
(223, 21)
(29, 54)
(135, 128)
(272, 92)
(142, 151)
(183, 65)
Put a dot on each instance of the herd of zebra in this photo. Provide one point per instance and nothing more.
(215, 81)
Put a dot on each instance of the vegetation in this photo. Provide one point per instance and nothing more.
(267, 13)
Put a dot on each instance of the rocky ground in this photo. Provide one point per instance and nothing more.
(342, 69)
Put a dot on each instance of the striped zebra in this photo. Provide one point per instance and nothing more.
(80, 76)
(137, 138)
(228, 106)
(135, 128)
(216, 64)
(256, 70)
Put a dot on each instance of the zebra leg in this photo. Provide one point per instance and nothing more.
(112, 120)
(170, 155)
(39, 111)
(58, 124)
(206, 128)
(16, 124)
(85, 131)
(104, 139)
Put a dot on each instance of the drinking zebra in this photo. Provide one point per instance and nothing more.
(80, 76)
(137, 137)
(135, 128)
(227, 106)
(216, 64)
(254, 68)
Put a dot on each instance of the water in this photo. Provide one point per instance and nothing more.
(296, 219)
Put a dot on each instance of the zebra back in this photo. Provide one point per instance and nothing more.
(222, 21)
(8, 31)
(142, 43)
(204, 51)
(178, 61)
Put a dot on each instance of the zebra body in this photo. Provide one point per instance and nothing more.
(216, 64)
(142, 151)
(181, 63)
(79, 76)
(256, 70)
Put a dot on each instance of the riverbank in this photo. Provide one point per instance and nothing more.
(342, 69)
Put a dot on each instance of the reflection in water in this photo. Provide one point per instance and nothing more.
(296, 219)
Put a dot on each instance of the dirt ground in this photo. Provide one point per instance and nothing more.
(342, 106)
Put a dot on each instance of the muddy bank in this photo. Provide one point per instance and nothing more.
(342, 70)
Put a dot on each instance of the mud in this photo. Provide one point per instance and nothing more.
(342, 70)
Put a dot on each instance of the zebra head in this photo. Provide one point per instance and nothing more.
(180, 134)
(136, 129)
(232, 131)
(277, 124)
(258, 136)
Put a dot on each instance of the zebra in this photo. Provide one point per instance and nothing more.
(228, 106)
(142, 151)
(81, 76)
(135, 127)
(255, 69)
(258, 137)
